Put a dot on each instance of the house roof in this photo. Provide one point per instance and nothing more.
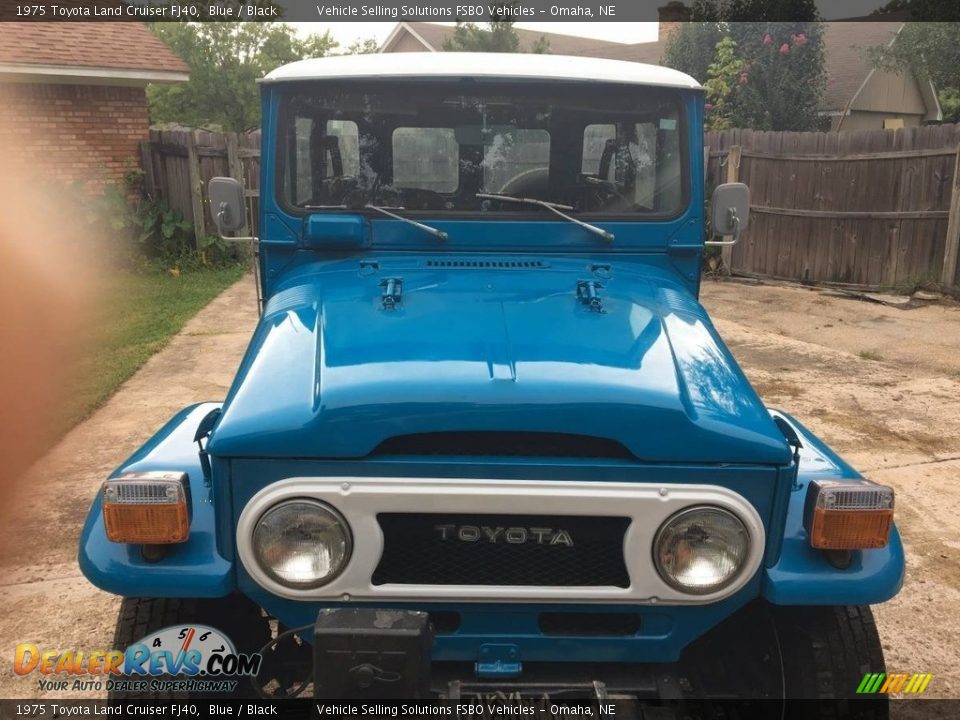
(844, 47)
(844, 44)
(435, 35)
(98, 52)
(483, 65)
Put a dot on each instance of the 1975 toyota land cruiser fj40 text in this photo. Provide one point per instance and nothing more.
(484, 435)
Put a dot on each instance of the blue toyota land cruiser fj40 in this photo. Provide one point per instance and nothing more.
(484, 435)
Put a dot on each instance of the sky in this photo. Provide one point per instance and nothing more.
(346, 32)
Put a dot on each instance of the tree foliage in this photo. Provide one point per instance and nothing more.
(226, 60)
(754, 11)
(692, 48)
(722, 78)
(366, 46)
(924, 10)
(781, 79)
(931, 51)
(499, 35)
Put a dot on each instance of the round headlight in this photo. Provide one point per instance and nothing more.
(302, 543)
(701, 549)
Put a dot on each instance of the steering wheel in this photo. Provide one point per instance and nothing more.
(529, 183)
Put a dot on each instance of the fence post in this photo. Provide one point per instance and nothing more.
(196, 189)
(733, 175)
(146, 162)
(235, 168)
(952, 248)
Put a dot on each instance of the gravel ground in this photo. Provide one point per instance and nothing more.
(879, 384)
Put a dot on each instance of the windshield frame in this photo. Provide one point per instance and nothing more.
(289, 90)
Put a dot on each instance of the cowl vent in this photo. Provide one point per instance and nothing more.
(488, 264)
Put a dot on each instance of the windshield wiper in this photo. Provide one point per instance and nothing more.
(439, 234)
(555, 208)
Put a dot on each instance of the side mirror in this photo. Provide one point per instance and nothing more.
(729, 212)
(227, 204)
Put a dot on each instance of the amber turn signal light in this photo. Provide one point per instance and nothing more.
(855, 515)
(150, 508)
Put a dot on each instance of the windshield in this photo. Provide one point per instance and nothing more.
(606, 150)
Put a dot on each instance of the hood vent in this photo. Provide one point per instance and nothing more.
(504, 444)
(488, 264)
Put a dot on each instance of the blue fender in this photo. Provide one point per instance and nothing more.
(802, 575)
(191, 569)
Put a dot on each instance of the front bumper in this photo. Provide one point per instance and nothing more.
(380, 653)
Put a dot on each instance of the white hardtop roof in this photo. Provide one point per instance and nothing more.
(526, 66)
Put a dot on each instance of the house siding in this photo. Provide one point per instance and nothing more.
(86, 134)
(891, 93)
(407, 43)
(864, 120)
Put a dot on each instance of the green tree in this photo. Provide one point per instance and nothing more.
(692, 48)
(499, 35)
(366, 46)
(924, 10)
(226, 59)
(723, 76)
(779, 43)
(783, 77)
(931, 51)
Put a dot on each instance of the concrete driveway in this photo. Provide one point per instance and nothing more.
(43, 597)
(896, 418)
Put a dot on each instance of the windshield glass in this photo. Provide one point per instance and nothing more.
(605, 150)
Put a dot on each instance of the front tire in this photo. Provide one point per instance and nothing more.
(236, 616)
(825, 652)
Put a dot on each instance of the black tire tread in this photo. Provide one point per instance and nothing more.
(236, 616)
(826, 651)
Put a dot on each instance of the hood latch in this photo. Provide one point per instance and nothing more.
(588, 292)
(392, 292)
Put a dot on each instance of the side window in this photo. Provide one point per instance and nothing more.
(332, 152)
(514, 156)
(303, 178)
(426, 158)
(595, 139)
(348, 143)
(643, 151)
(642, 159)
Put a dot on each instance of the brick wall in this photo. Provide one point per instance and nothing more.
(72, 133)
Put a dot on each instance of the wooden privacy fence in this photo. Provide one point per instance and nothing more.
(873, 208)
(179, 162)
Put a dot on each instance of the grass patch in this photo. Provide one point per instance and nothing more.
(139, 314)
(870, 355)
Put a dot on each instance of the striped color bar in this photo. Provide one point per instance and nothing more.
(907, 683)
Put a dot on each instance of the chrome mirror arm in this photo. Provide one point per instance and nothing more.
(221, 211)
(735, 221)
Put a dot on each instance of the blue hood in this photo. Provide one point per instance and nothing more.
(330, 373)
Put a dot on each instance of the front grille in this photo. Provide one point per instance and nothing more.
(526, 550)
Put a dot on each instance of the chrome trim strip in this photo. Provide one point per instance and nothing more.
(360, 499)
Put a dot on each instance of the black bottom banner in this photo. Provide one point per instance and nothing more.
(485, 709)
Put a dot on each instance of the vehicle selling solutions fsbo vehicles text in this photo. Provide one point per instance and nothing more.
(420, 11)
